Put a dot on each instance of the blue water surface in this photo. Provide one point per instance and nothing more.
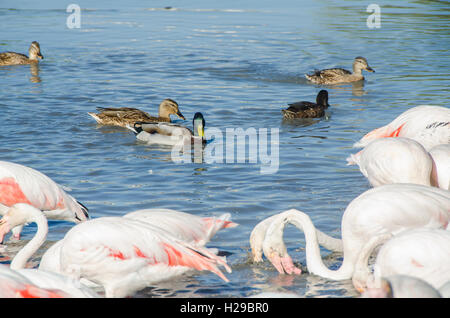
(239, 63)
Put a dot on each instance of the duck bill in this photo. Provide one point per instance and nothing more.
(369, 69)
(40, 56)
(180, 115)
(201, 131)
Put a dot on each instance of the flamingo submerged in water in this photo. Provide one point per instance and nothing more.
(21, 184)
(423, 253)
(426, 124)
(124, 255)
(398, 160)
(385, 210)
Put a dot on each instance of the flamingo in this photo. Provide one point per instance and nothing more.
(123, 255)
(15, 285)
(402, 286)
(186, 227)
(19, 214)
(441, 157)
(423, 253)
(381, 211)
(429, 125)
(21, 184)
(397, 160)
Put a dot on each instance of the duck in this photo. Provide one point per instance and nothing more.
(170, 134)
(308, 109)
(13, 58)
(124, 116)
(339, 75)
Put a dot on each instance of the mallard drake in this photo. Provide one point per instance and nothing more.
(13, 58)
(168, 133)
(339, 75)
(308, 109)
(125, 116)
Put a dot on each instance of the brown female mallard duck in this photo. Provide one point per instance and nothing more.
(339, 75)
(126, 116)
(13, 58)
(308, 109)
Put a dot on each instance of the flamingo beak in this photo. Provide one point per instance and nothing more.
(4, 229)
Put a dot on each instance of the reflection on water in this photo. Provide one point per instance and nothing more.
(239, 64)
(34, 70)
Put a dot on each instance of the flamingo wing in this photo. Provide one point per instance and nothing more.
(421, 253)
(21, 184)
(15, 285)
(185, 226)
(126, 255)
(428, 125)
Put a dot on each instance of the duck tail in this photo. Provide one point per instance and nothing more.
(132, 129)
(94, 115)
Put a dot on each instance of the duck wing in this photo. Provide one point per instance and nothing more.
(125, 113)
(331, 73)
(162, 128)
(303, 110)
(300, 106)
(8, 58)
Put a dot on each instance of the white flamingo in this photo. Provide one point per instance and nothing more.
(385, 210)
(398, 160)
(21, 213)
(186, 227)
(15, 285)
(426, 124)
(402, 286)
(423, 253)
(21, 184)
(123, 255)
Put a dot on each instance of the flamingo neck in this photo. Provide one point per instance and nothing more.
(314, 260)
(21, 258)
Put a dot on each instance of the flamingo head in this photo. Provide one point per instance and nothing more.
(16, 215)
(384, 291)
(275, 249)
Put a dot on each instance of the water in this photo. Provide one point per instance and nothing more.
(239, 64)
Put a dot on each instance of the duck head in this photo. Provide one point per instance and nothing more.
(199, 125)
(322, 98)
(35, 51)
(169, 107)
(360, 63)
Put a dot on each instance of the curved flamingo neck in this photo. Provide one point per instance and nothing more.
(314, 260)
(21, 258)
